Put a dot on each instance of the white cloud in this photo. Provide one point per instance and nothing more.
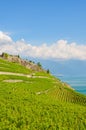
(59, 50)
(4, 38)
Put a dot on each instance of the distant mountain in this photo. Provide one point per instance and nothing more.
(69, 67)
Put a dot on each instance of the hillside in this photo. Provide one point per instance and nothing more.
(27, 64)
(32, 99)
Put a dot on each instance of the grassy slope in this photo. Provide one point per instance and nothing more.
(39, 103)
(13, 67)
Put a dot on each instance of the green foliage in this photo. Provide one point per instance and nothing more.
(39, 64)
(38, 103)
(5, 55)
(18, 56)
(48, 71)
(13, 67)
(31, 61)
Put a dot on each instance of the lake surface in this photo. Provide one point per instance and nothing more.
(76, 82)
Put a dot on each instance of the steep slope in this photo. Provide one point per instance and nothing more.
(36, 100)
(16, 59)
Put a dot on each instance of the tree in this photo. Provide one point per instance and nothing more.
(18, 56)
(48, 71)
(5, 55)
(39, 64)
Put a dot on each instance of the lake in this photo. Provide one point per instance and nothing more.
(76, 82)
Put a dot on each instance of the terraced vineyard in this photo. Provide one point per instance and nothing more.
(31, 100)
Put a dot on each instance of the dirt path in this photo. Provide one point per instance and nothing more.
(45, 91)
(20, 74)
(16, 74)
(12, 81)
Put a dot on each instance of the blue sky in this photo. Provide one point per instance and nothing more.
(52, 30)
(41, 21)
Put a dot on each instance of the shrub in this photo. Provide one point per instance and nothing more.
(48, 71)
(39, 64)
(5, 55)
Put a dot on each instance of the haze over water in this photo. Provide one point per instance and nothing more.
(76, 82)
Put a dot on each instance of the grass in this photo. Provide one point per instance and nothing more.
(13, 67)
(20, 109)
(56, 107)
